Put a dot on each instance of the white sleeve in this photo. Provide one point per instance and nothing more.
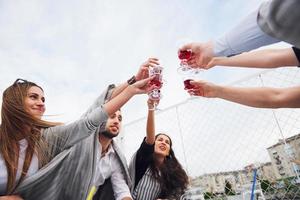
(118, 182)
(245, 36)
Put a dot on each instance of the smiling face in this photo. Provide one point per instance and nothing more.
(162, 145)
(34, 102)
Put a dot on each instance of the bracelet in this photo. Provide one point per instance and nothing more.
(151, 109)
(131, 81)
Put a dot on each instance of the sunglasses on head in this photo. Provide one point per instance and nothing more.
(19, 80)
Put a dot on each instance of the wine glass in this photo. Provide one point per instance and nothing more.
(188, 76)
(184, 56)
(155, 94)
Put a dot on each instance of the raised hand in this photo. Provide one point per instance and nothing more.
(143, 86)
(144, 68)
(203, 88)
(202, 54)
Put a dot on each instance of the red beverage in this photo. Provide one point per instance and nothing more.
(187, 84)
(185, 54)
(156, 81)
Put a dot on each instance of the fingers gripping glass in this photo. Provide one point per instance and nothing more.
(184, 56)
(188, 76)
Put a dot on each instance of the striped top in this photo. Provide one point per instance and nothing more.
(146, 186)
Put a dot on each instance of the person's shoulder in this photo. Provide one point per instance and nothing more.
(116, 150)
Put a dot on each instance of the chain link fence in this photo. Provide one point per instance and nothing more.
(231, 151)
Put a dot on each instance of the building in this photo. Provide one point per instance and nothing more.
(281, 155)
(280, 167)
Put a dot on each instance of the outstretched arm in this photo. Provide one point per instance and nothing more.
(67, 135)
(141, 74)
(113, 91)
(150, 129)
(245, 36)
(261, 97)
(267, 58)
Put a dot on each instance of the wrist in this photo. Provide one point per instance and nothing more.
(151, 108)
(219, 91)
(217, 60)
(130, 90)
(132, 80)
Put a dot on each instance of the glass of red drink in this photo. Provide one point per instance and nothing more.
(187, 84)
(184, 56)
(157, 81)
(188, 76)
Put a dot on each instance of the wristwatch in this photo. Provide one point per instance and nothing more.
(131, 81)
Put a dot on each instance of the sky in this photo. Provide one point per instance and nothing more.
(214, 135)
(74, 49)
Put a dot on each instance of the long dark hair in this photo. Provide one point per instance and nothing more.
(17, 124)
(171, 176)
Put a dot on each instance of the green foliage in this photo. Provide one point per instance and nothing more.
(266, 186)
(208, 195)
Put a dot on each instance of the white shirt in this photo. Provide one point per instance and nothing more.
(109, 166)
(33, 167)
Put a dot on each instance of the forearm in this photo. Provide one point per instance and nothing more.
(118, 101)
(150, 129)
(119, 89)
(64, 136)
(245, 36)
(268, 58)
(254, 97)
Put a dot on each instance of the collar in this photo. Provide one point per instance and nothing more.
(110, 150)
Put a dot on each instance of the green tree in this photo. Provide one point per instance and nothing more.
(266, 186)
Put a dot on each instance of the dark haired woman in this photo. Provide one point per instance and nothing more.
(155, 171)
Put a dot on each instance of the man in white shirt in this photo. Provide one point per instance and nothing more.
(108, 164)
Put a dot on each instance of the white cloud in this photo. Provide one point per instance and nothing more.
(75, 48)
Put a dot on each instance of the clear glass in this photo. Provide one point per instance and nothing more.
(155, 94)
(188, 76)
(184, 56)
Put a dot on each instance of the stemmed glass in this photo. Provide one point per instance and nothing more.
(187, 73)
(187, 77)
(184, 56)
(155, 94)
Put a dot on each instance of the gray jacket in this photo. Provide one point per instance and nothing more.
(279, 19)
(70, 173)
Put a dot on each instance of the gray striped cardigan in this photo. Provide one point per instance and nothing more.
(69, 175)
